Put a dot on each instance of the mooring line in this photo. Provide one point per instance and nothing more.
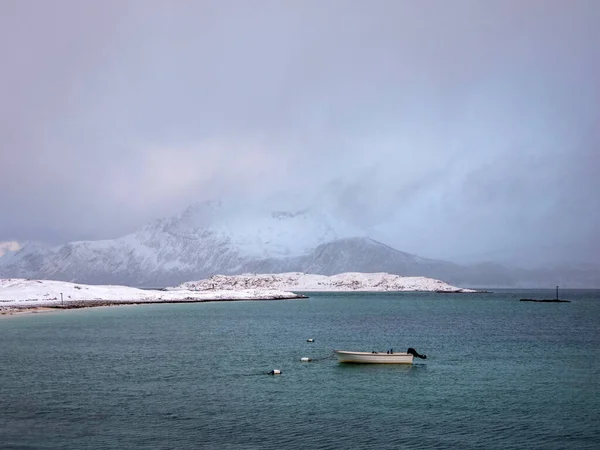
(322, 358)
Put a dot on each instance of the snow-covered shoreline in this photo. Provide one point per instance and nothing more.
(18, 293)
(305, 282)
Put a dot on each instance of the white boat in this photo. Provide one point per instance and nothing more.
(344, 356)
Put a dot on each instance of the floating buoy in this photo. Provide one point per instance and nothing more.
(310, 340)
(275, 372)
(305, 359)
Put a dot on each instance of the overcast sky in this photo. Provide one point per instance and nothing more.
(462, 129)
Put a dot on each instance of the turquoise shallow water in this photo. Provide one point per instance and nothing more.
(499, 374)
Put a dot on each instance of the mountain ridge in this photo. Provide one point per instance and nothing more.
(212, 238)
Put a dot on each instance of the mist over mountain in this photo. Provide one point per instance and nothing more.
(465, 130)
(212, 238)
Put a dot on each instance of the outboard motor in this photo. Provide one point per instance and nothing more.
(412, 351)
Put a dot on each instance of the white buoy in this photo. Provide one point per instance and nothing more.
(305, 359)
(310, 340)
(275, 372)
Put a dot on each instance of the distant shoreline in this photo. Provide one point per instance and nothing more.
(18, 294)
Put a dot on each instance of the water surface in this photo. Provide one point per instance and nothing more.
(499, 374)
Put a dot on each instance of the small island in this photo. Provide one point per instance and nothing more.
(308, 282)
(552, 300)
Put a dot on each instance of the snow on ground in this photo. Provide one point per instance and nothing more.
(303, 282)
(21, 293)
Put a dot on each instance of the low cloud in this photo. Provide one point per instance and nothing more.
(9, 246)
(447, 129)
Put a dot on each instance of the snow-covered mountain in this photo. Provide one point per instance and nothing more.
(259, 234)
(213, 238)
(205, 239)
(361, 254)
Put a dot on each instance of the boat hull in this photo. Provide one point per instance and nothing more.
(373, 358)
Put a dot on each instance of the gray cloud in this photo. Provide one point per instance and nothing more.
(459, 129)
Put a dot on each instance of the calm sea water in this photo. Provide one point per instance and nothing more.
(499, 374)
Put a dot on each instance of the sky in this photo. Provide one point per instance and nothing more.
(463, 130)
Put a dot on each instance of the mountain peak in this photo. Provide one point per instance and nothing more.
(256, 233)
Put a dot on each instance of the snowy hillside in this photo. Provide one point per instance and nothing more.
(214, 238)
(264, 234)
(205, 239)
(303, 282)
(20, 293)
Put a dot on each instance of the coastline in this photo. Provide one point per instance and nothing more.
(19, 295)
(11, 312)
(33, 309)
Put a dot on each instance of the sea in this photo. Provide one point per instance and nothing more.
(499, 374)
